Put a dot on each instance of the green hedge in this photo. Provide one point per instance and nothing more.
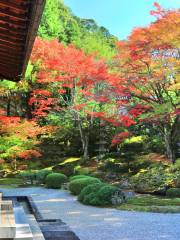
(55, 180)
(28, 176)
(77, 185)
(173, 192)
(99, 194)
(78, 177)
(42, 174)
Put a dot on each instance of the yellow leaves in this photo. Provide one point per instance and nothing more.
(175, 87)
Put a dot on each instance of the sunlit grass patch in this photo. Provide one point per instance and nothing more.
(152, 204)
(70, 160)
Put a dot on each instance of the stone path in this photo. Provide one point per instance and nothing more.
(91, 223)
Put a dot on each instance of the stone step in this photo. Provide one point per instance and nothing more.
(35, 229)
(7, 220)
(56, 230)
(23, 232)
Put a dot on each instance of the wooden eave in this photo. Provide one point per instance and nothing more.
(19, 22)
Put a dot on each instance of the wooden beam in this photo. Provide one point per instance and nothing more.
(12, 41)
(12, 22)
(11, 34)
(21, 16)
(15, 48)
(9, 60)
(19, 22)
(12, 31)
(15, 5)
(11, 56)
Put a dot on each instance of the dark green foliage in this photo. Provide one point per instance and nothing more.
(93, 188)
(104, 195)
(77, 185)
(156, 144)
(135, 144)
(67, 169)
(55, 180)
(173, 192)
(114, 165)
(28, 176)
(78, 177)
(99, 194)
(42, 174)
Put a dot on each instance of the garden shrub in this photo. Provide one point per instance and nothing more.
(82, 170)
(176, 166)
(67, 170)
(104, 195)
(67, 166)
(113, 165)
(78, 177)
(28, 176)
(55, 180)
(77, 185)
(93, 188)
(99, 194)
(156, 145)
(173, 192)
(134, 144)
(153, 179)
(42, 174)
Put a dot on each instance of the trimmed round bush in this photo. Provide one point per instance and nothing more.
(77, 185)
(104, 195)
(55, 180)
(92, 188)
(99, 194)
(78, 177)
(173, 192)
(42, 174)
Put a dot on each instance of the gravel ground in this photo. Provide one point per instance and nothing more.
(91, 223)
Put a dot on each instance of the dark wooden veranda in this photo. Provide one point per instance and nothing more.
(19, 21)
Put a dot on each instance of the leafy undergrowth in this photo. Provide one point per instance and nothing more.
(152, 204)
(6, 181)
(10, 182)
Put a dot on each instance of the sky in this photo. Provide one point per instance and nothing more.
(118, 16)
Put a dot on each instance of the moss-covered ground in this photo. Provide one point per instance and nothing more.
(148, 203)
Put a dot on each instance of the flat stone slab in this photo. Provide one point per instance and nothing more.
(7, 220)
(23, 232)
(56, 230)
(35, 229)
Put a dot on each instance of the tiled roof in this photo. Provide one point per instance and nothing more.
(19, 21)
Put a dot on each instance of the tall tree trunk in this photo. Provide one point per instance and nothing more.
(172, 137)
(169, 148)
(85, 141)
(86, 147)
(28, 108)
(8, 109)
(102, 143)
